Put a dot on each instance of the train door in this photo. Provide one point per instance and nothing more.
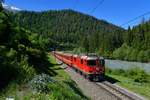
(102, 61)
(81, 62)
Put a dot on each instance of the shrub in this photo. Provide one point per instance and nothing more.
(120, 53)
(108, 70)
(40, 83)
(21, 48)
(36, 52)
(128, 53)
(133, 54)
(25, 71)
(61, 91)
(12, 53)
(137, 74)
(141, 56)
(147, 56)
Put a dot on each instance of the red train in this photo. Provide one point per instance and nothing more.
(91, 67)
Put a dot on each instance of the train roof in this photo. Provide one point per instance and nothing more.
(92, 58)
(63, 53)
(68, 54)
(89, 57)
(83, 57)
(75, 55)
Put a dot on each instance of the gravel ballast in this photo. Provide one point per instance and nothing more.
(89, 88)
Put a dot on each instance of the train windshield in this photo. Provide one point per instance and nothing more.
(91, 62)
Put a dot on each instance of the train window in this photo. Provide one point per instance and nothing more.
(74, 59)
(91, 62)
(81, 61)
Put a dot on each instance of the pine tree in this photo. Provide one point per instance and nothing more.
(1, 7)
(129, 38)
(85, 44)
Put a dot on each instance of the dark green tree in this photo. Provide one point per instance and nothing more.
(85, 44)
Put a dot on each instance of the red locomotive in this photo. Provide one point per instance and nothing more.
(91, 67)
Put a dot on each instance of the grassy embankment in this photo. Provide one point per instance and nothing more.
(63, 88)
(136, 80)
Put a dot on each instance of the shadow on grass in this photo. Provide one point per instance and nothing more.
(110, 79)
(8, 73)
(73, 85)
(59, 68)
(58, 64)
(42, 65)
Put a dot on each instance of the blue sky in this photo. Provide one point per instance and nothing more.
(114, 11)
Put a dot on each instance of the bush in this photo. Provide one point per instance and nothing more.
(133, 55)
(137, 74)
(25, 71)
(40, 83)
(128, 54)
(21, 48)
(61, 91)
(11, 54)
(146, 57)
(147, 53)
(142, 57)
(36, 52)
(120, 53)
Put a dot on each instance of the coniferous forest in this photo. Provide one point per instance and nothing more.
(27, 70)
(27, 37)
(21, 52)
(70, 27)
(71, 30)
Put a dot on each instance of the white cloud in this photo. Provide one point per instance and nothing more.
(10, 7)
(4, 5)
(15, 8)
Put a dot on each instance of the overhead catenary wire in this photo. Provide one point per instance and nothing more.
(147, 13)
(100, 2)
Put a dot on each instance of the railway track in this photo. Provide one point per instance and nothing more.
(113, 90)
(118, 92)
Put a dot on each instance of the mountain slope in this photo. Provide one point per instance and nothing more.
(67, 26)
(136, 45)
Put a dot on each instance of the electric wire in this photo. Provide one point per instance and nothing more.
(147, 13)
(100, 3)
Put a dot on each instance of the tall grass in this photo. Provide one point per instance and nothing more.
(137, 74)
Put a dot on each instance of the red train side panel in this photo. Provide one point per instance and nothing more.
(91, 67)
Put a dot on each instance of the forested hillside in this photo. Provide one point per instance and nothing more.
(136, 45)
(72, 28)
(26, 36)
(27, 71)
(19, 52)
(84, 33)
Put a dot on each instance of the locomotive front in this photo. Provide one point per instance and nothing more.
(96, 67)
